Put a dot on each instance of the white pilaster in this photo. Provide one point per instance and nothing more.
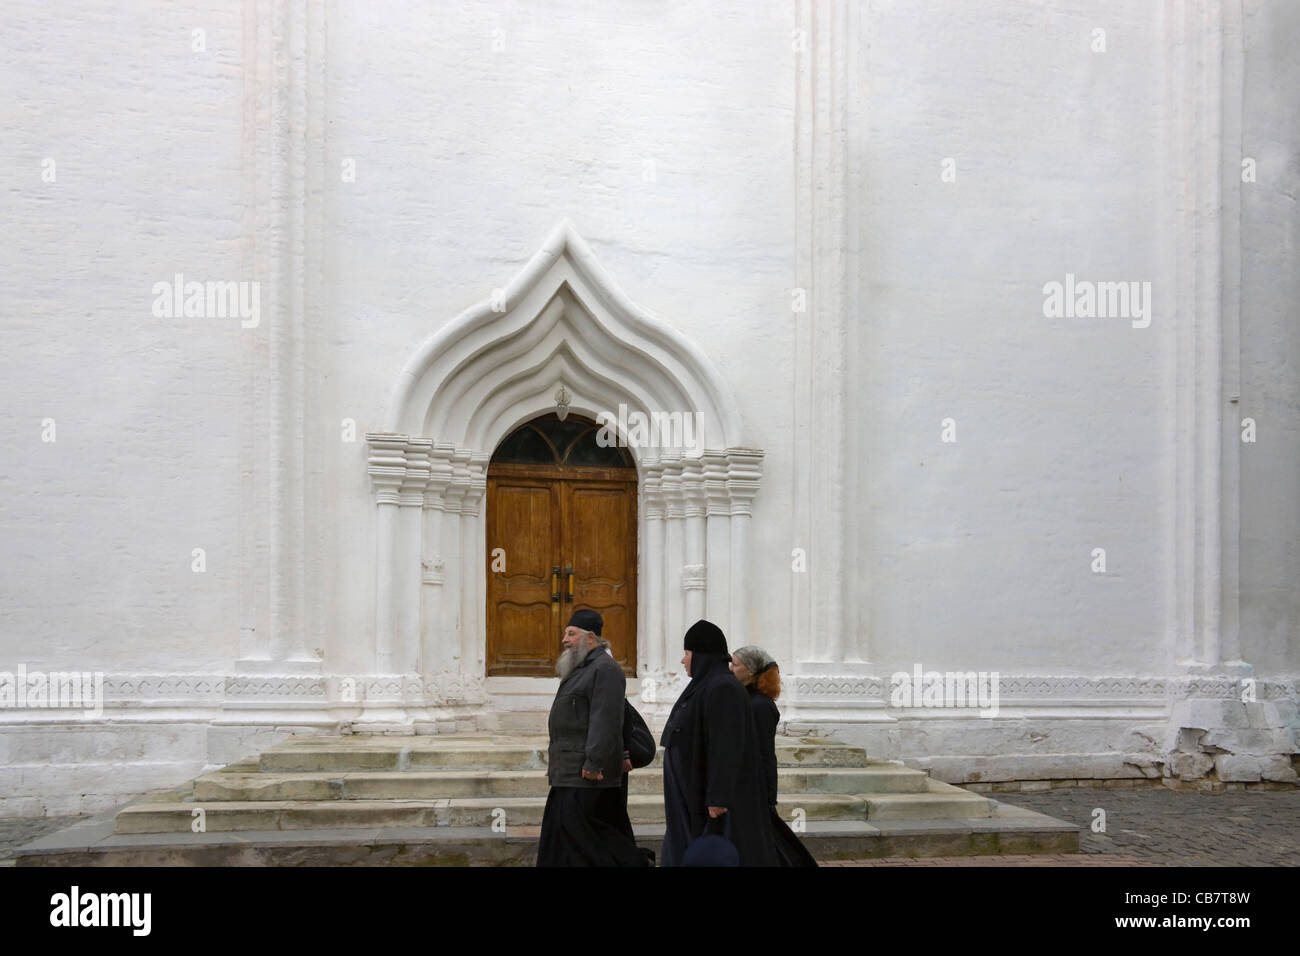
(652, 651)
(695, 565)
(744, 468)
(387, 469)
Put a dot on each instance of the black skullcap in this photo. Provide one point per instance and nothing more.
(586, 620)
(705, 637)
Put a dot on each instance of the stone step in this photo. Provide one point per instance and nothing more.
(227, 816)
(93, 842)
(378, 753)
(942, 802)
(239, 785)
(519, 722)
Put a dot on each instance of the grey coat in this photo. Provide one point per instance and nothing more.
(586, 724)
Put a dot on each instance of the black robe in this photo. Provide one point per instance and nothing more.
(587, 827)
(712, 759)
(766, 717)
(789, 847)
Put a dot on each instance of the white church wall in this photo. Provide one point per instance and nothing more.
(695, 159)
(1270, 340)
(978, 550)
(1052, 143)
(123, 423)
(118, 186)
(663, 133)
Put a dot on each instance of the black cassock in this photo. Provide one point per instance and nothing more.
(587, 827)
(712, 760)
(789, 847)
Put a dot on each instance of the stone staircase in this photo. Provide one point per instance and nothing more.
(463, 782)
(479, 799)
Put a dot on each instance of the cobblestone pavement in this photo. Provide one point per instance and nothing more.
(1034, 859)
(1156, 826)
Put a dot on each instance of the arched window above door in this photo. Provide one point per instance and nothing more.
(548, 441)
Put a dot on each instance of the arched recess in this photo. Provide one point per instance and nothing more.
(560, 322)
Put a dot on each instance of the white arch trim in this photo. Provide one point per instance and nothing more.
(562, 294)
(560, 321)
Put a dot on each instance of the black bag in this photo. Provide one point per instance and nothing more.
(712, 848)
(637, 739)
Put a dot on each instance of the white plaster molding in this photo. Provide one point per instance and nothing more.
(283, 162)
(478, 340)
(1203, 97)
(560, 321)
(1058, 689)
(823, 458)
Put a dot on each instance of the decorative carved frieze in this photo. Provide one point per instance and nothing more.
(1015, 689)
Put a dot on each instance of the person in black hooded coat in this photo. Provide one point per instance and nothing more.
(761, 677)
(711, 759)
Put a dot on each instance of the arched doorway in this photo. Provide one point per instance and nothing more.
(561, 534)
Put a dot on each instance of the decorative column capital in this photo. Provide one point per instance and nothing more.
(652, 500)
(440, 473)
(715, 482)
(386, 465)
(475, 483)
(692, 488)
(458, 486)
(671, 484)
(411, 493)
(744, 469)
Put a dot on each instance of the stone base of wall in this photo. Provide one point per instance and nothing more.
(52, 766)
(1200, 786)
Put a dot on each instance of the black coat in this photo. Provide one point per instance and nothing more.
(766, 717)
(789, 847)
(586, 724)
(712, 760)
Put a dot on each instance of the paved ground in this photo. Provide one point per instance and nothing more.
(1145, 826)
(19, 831)
(1155, 826)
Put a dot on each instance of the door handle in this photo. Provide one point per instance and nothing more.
(568, 598)
(555, 585)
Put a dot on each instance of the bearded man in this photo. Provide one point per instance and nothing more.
(585, 822)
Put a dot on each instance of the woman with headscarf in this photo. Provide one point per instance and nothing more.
(711, 764)
(761, 676)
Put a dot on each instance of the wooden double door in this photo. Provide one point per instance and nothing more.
(558, 539)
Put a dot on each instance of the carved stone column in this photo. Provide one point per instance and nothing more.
(694, 570)
(718, 542)
(434, 656)
(672, 557)
(651, 653)
(473, 631)
(744, 468)
(449, 643)
(387, 470)
(407, 569)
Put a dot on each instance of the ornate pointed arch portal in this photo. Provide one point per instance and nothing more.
(561, 322)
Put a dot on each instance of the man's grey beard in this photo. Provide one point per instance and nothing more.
(570, 658)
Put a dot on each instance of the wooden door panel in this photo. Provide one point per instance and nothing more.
(529, 638)
(542, 522)
(599, 534)
(523, 520)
